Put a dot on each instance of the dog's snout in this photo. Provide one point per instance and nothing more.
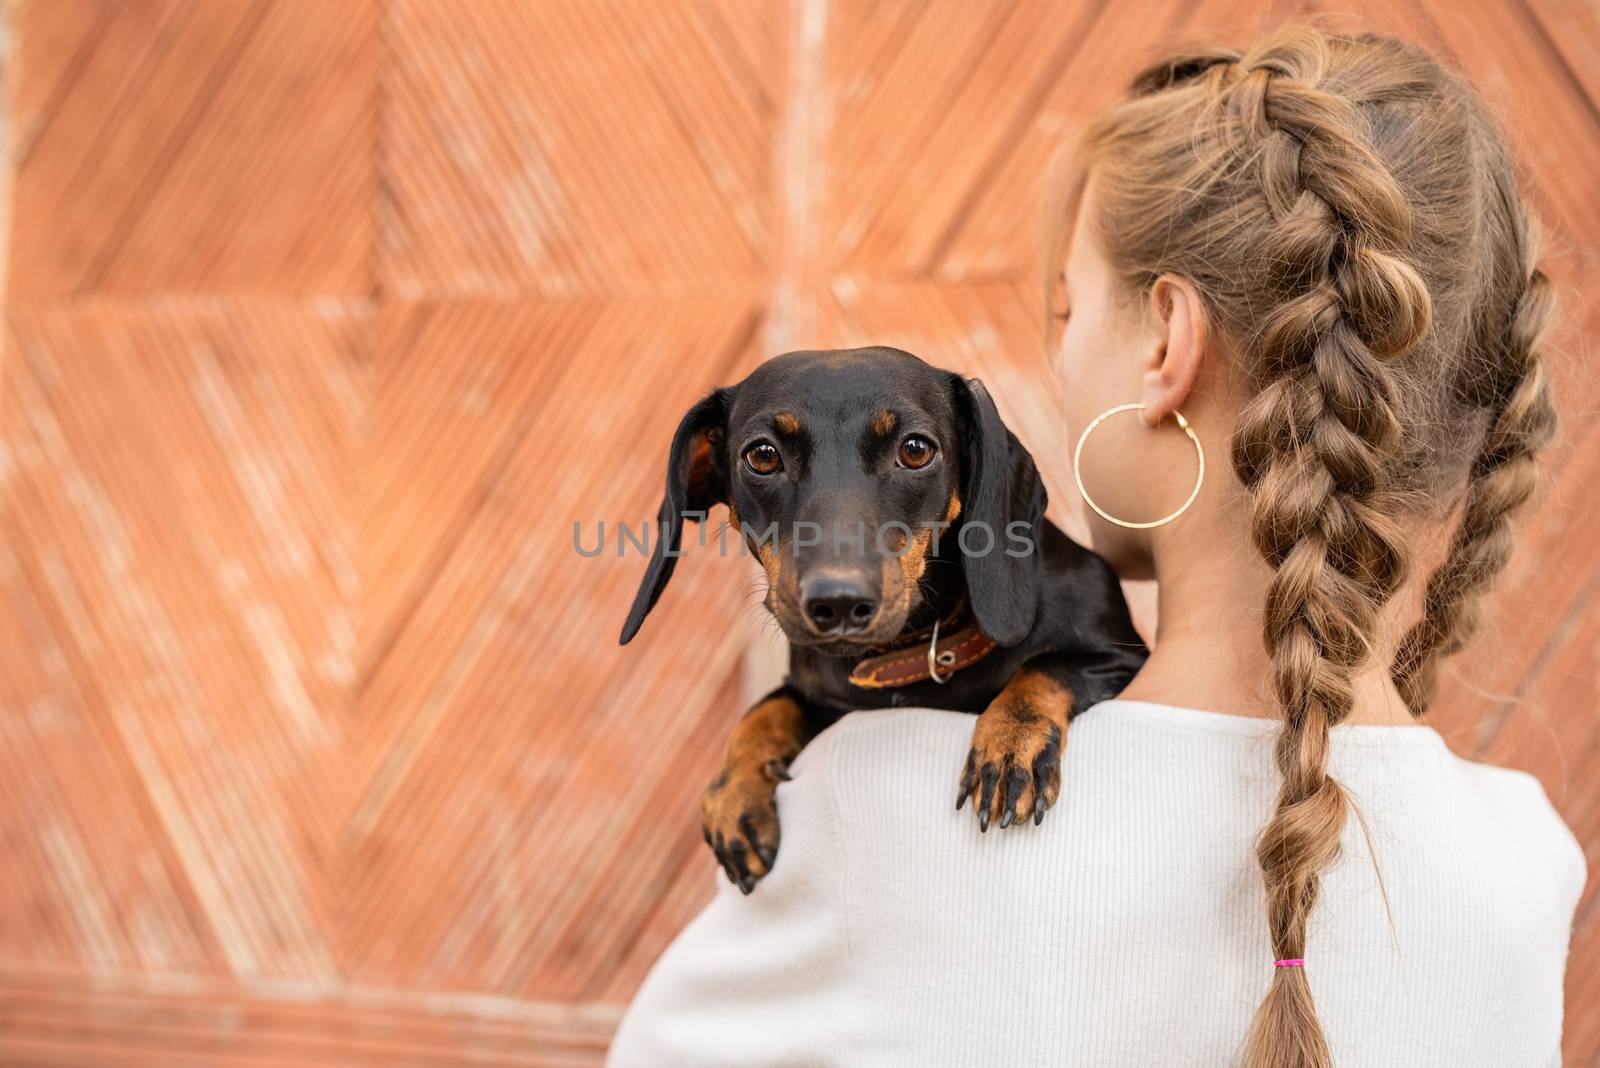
(837, 604)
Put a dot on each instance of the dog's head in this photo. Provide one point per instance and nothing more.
(841, 470)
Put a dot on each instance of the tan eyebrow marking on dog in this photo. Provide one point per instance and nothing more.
(884, 422)
(787, 423)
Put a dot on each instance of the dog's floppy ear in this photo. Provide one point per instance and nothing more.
(697, 478)
(999, 487)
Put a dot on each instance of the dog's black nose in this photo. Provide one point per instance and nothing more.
(840, 605)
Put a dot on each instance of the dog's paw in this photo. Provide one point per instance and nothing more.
(1014, 767)
(739, 812)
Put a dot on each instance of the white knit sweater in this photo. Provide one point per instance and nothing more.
(1128, 928)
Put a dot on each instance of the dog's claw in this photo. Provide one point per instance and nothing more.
(1016, 783)
(966, 780)
(740, 817)
(779, 771)
(1046, 779)
(990, 777)
(725, 858)
(1019, 761)
(766, 853)
(741, 875)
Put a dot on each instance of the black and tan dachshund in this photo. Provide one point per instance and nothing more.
(908, 561)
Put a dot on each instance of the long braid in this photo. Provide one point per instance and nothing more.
(1503, 477)
(1313, 449)
(1347, 209)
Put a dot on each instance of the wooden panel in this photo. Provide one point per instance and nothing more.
(576, 147)
(176, 506)
(325, 323)
(220, 147)
(502, 742)
(57, 1019)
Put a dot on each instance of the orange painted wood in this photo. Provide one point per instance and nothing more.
(325, 321)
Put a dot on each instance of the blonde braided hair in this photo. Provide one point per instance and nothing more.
(1503, 477)
(1348, 211)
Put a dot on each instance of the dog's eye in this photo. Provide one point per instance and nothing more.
(763, 458)
(916, 451)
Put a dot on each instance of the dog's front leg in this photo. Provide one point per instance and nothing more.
(1014, 766)
(739, 809)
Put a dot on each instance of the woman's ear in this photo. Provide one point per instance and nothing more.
(697, 478)
(1179, 324)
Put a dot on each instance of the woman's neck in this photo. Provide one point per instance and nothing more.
(1208, 650)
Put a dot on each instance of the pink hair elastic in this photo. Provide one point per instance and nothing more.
(1290, 962)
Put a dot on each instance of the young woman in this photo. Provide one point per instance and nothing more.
(1316, 253)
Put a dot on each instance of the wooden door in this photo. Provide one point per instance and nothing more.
(326, 321)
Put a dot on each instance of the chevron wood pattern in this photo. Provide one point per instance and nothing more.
(324, 322)
(523, 159)
(226, 147)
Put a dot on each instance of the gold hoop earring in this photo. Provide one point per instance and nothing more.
(1077, 469)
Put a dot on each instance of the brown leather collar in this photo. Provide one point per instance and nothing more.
(961, 643)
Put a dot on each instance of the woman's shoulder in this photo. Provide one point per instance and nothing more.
(1192, 790)
(887, 732)
(1133, 760)
(1516, 809)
